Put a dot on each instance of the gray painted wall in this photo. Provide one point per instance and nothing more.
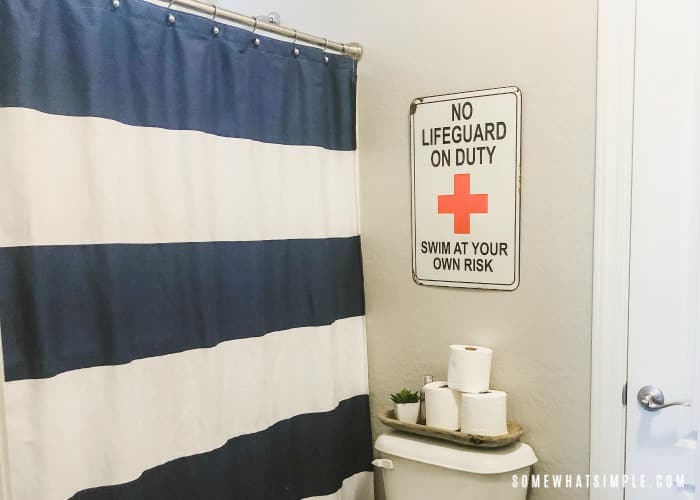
(540, 332)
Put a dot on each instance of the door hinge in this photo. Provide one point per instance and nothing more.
(624, 394)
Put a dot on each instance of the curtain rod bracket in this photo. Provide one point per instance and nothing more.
(272, 18)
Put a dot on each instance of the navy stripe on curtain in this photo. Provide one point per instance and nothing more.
(326, 447)
(59, 303)
(128, 65)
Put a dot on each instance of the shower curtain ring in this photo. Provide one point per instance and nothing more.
(255, 26)
(325, 51)
(215, 29)
(171, 17)
(296, 50)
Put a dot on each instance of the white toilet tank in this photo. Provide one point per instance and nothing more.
(416, 468)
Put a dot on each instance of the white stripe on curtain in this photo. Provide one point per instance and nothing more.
(146, 194)
(106, 425)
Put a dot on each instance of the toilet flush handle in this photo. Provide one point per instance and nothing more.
(383, 463)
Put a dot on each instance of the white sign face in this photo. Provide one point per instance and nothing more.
(465, 170)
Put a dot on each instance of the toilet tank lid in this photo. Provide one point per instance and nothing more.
(453, 456)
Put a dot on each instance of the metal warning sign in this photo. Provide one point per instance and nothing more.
(465, 172)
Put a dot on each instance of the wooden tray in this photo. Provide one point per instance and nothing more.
(514, 433)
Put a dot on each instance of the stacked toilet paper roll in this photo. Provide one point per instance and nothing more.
(484, 413)
(469, 368)
(442, 406)
(467, 403)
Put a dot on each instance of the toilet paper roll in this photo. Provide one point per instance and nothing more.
(484, 414)
(469, 368)
(442, 406)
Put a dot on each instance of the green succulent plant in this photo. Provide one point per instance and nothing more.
(405, 396)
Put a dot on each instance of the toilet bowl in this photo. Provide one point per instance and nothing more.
(416, 468)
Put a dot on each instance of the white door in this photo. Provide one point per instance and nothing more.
(661, 444)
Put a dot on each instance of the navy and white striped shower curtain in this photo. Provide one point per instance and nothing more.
(181, 294)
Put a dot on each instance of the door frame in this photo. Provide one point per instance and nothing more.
(611, 239)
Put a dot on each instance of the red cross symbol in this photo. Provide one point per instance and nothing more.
(462, 204)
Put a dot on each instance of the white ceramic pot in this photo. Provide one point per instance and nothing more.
(407, 412)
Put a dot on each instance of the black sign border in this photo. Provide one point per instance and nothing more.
(513, 285)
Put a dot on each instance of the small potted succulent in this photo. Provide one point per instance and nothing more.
(407, 404)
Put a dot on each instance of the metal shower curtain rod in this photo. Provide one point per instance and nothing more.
(352, 49)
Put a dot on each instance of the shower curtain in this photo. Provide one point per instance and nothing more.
(181, 293)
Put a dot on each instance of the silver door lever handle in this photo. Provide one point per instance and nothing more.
(652, 399)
